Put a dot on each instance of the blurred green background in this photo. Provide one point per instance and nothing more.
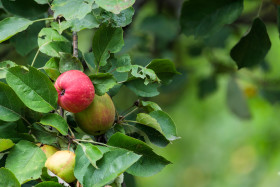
(230, 131)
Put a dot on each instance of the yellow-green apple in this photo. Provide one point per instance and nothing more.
(75, 91)
(48, 149)
(98, 117)
(62, 164)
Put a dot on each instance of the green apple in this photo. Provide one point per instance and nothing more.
(62, 164)
(98, 117)
(48, 149)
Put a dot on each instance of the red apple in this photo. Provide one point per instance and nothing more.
(98, 117)
(75, 91)
(62, 164)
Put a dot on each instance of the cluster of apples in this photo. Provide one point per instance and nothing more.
(94, 115)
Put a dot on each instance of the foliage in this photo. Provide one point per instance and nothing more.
(28, 100)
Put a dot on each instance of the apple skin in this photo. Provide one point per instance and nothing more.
(75, 91)
(98, 117)
(48, 149)
(62, 164)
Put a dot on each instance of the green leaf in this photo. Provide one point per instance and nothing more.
(43, 135)
(250, 51)
(57, 122)
(72, 9)
(115, 6)
(49, 184)
(92, 153)
(81, 164)
(11, 107)
(236, 100)
(122, 61)
(122, 19)
(51, 42)
(26, 161)
(8, 179)
(33, 87)
(148, 120)
(11, 26)
(103, 82)
(6, 144)
(149, 106)
(149, 164)
(113, 163)
(61, 26)
(46, 177)
(90, 61)
(4, 66)
(24, 8)
(164, 69)
(202, 18)
(140, 89)
(68, 62)
(106, 40)
(52, 68)
(166, 124)
(88, 22)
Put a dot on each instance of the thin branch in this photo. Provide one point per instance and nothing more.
(43, 19)
(35, 57)
(130, 112)
(75, 44)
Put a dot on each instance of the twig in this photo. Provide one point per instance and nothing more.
(75, 44)
(35, 57)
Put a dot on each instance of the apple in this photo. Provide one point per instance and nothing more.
(98, 117)
(62, 164)
(48, 149)
(75, 91)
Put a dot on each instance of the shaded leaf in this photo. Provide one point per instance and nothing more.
(90, 61)
(106, 40)
(140, 89)
(253, 47)
(88, 22)
(164, 69)
(24, 8)
(68, 62)
(11, 107)
(52, 68)
(203, 18)
(11, 26)
(61, 26)
(149, 164)
(103, 82)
